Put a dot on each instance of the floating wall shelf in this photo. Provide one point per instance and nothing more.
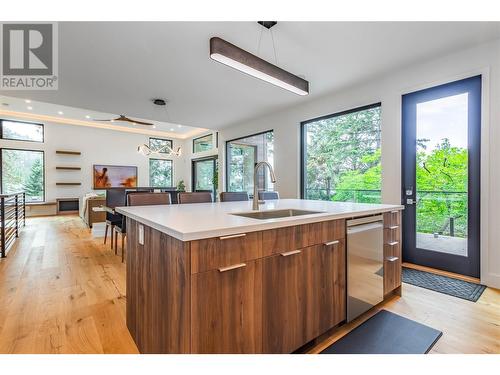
(68, 183)
(68, 152)
(69, 168)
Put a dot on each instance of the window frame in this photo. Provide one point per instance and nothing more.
(203, 136)
(171, 173)
(44, 170)
(2, 120)
(226, 171)
(161, 139)
(303, 136)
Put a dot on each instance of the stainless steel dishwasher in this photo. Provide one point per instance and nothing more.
(365, 264)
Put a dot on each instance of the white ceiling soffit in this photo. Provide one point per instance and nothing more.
(32, 110)
(118, 67)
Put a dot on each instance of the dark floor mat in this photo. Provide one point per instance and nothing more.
(386, 333)
(443, 284)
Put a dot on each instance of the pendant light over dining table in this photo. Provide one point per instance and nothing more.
(237, 58)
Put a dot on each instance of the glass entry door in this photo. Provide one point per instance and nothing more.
(441, 176)
(204, 173)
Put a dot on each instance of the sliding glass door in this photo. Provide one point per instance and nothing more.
(441, 176)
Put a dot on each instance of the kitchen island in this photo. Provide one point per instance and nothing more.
(205, 278)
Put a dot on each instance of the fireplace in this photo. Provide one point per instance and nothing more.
(67, 206)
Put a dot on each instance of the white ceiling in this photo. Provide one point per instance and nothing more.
(118, 67)
(26, 108)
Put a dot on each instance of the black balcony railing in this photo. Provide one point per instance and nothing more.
(12, 217)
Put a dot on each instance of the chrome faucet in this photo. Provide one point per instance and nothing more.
(255, 205)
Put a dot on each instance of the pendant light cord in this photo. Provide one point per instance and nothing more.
(274, 48)
(274, 45)
(260, 39)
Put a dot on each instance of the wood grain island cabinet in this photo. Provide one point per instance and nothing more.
(269, 291)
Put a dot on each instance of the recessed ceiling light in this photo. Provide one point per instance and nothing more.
(113, 120)
(30, 108)
(154, 126)
(171, 129)
(87, 116)
(134, 123)
(60, 112)
(27, 101)
(179, 126)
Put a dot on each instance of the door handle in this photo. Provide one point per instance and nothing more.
(391, 259)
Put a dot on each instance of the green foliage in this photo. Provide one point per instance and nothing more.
(344, 164)
(442, 177)
(343, 155)
(34, 185)
(160, 173)
(181, 186)
(23, 170)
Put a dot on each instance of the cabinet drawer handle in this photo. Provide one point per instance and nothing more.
(336, 242)
(288, 253)
(394, 227)
(233, 267)
(392, 259)
(393, 243)
(232, 236)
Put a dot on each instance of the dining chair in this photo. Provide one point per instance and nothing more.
(268, 195)
(138, 198)
(197, 197)
(233, 196)
(114, 198)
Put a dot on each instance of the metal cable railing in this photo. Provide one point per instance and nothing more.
(12, 217)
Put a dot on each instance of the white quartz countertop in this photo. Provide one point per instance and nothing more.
(188, 222)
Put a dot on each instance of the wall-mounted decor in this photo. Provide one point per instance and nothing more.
(114, 176)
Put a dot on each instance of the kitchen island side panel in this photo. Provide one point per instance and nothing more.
(158, 291)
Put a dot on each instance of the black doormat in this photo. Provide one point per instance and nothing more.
(443, 284)
(386, 333)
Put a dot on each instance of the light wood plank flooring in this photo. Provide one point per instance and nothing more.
(61, 291)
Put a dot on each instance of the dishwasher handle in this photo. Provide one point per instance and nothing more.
(365, 220)
(365, 227)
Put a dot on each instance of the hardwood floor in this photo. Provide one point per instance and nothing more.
(61, 291)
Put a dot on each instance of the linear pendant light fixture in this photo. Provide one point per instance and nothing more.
(237, 58)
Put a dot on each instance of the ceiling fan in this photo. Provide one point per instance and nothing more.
(126, 119)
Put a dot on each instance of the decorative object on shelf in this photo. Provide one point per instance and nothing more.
(162, 152)
(237, 58)
(114, 176)
(181, 186)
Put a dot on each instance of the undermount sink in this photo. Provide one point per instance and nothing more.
(275, 214)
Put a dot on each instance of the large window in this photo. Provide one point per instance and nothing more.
(341, 156)
(242, 154)
(24, 170)
(204, 143)
(21, 131)
(160, 173)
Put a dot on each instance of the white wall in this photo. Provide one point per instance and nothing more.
(483, 59)
(98, 146)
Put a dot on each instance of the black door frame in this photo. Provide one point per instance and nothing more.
(193, 171)
(469, 265)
